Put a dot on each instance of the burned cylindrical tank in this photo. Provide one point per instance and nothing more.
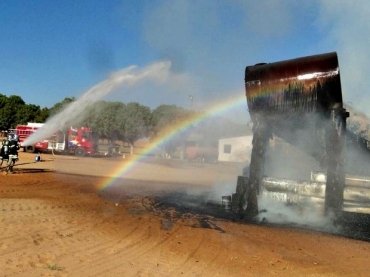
(297, 86)
(295, 98)
(300, 101)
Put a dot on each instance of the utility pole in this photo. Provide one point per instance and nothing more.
(191, 98)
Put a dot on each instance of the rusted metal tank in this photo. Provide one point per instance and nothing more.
(300, 101)
(298, 86)
(295, 97)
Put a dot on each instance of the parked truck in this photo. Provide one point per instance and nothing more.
(77, 141)
(202, 154)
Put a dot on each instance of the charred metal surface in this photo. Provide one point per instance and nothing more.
(299, 100)
(335, 154)
(356, 193)
(355, 199)
(302, 85)
(295, 97)
(293, 191)
(261, 135)
(294, 186)
(242, 192)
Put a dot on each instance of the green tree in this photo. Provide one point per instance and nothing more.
(28, 113)
(165, 116)
(14, 111)
(134, 123)
(108, 124)
(9, 107)
(58, 107)
(165, 120)
(42, 115)
(103, 118)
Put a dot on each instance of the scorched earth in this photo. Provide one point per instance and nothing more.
(64, 217)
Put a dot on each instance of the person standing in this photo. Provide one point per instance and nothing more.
(4, 151)
(13, 146)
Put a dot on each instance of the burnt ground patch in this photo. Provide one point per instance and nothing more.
(205, 214)
(26, 171)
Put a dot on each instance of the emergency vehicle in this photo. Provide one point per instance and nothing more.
(77, 141)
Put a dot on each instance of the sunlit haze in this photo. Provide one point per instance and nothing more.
(50, 51)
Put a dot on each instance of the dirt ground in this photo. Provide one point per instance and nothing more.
(65, 217)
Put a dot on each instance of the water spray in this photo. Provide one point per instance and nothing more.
(157, 72)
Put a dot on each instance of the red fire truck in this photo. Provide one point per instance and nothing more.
(78, 141)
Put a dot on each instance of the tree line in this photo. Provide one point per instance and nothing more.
(126, 122)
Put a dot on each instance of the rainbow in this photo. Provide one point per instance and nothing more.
(215, 109)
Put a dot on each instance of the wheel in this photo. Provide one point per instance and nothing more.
(30, 149)
(80, 152)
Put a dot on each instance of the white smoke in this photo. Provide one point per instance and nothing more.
(259, 31)
(279, 213)
(347, 26)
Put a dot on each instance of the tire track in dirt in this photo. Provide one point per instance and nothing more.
(171, 218)
(131, 245)
(67, 229)
(20, 216)
(135, 244)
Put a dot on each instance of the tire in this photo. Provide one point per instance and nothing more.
(80, 152)
(30, 149)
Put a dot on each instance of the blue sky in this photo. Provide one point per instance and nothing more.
(50, 49)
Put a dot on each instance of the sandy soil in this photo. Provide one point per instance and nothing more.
(64, 217)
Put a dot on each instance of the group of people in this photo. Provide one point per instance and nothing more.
(9, 152)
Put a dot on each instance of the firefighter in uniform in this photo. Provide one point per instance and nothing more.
(4, 151)
(9, 152)
(13, 152)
